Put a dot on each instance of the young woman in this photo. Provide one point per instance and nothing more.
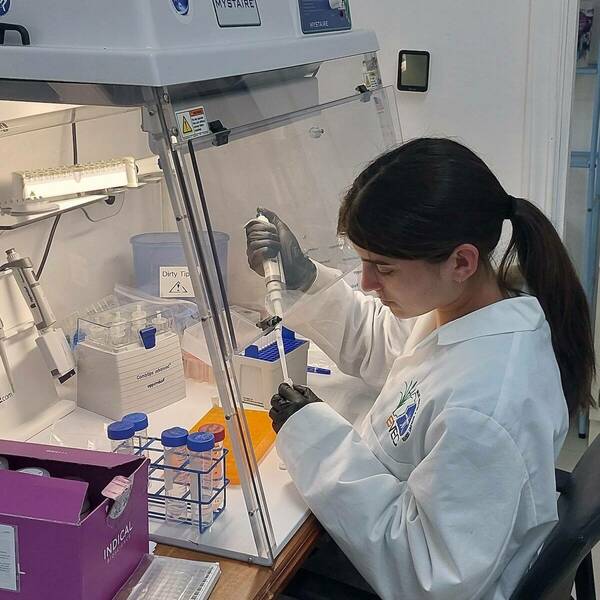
(448, 490)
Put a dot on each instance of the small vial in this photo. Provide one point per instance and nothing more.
(140, 425)
(161, 324)
(121, 436)
(118, 331)
(100, 331)
(95, 333)
(138, 318)
(37, 471)
(4, 464)
(201, 446)
(174, 442)
(219, 472)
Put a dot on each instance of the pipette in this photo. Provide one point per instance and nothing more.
(274, 282)
(51, 340)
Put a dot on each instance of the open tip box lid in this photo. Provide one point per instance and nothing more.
(50, 498)
(110, 460)
(33, 497)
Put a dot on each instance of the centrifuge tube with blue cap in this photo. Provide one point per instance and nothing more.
(218, 431)
(200, 446)
(174, 442)
(140, 424)
(121, 435)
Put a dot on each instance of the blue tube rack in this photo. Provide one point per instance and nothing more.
(153, 449)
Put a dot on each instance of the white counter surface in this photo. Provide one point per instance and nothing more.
(231, 534)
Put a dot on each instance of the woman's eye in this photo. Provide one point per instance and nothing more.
(384, 271)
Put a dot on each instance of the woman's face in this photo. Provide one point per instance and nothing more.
(410, 288)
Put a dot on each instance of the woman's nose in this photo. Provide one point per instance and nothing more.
(369, 281)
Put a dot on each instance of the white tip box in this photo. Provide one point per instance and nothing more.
(259, 379)
(133, 379)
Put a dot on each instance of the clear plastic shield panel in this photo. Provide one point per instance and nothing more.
(297, 166)
(300, 171)
(162, 313)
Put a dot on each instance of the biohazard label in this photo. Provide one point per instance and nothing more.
(175, 282)
(193, 122)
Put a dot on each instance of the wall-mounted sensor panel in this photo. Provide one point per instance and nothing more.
(413, 70)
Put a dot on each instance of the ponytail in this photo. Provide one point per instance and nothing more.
(551, 277)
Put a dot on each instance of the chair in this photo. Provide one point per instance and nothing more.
(566, 555)
(328, 575)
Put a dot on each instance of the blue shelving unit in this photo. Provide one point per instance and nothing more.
(580, 159)
(589, 70)
(589, 160)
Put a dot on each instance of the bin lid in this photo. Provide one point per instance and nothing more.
(168, 238)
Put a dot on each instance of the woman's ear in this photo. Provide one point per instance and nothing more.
(463, 263)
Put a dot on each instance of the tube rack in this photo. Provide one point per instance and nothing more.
(152, 448)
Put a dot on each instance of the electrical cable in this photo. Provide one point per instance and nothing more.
(48, 246)
(74, 142)
(57, 219)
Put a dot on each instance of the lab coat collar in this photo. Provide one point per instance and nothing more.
(523, 313)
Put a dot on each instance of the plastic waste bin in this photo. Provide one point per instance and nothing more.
(160, 265)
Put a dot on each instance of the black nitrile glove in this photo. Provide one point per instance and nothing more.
(288, 401)
(267, 240)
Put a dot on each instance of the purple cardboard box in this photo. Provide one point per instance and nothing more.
(48, 549)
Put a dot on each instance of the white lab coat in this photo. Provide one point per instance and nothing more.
(447, 491)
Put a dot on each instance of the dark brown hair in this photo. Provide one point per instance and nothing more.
(425, 198)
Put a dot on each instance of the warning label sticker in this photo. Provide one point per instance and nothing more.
(175, 282)
(193, 122)
(8, 559)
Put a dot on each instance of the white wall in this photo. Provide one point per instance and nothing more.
(87, 259)
(17, 110)
(478, 72)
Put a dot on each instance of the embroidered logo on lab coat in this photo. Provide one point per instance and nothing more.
(400, 422)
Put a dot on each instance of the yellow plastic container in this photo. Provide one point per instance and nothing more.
(261, 434)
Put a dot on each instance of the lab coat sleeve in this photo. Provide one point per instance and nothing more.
(440, 535)
(359, 333)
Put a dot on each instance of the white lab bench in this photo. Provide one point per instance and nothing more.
(231, 535)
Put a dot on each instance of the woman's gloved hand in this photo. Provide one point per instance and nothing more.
(288, 401)
(267, 240)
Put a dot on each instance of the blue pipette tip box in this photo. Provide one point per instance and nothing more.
(270, 353)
